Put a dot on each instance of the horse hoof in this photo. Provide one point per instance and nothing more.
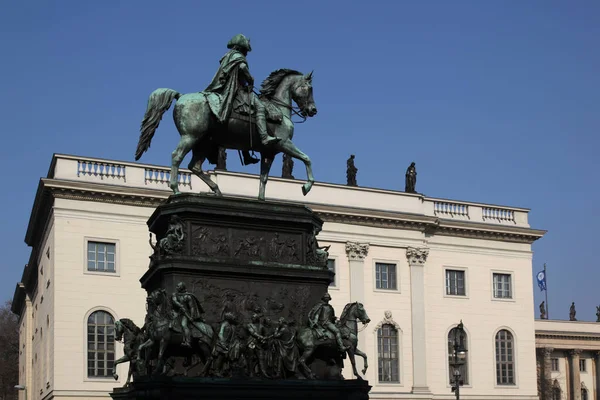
(305, 190)
(116, 377)
(218, 193)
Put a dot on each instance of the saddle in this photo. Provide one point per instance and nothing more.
(243, 110)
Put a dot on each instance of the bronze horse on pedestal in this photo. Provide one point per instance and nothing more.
(202, 134)
(308, 340)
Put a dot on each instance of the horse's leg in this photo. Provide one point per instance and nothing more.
(123, 359)
(289, 148)
(195, 166)
(364, 356)
(350, 353)
(160, 364)
(185, 145)
(302, 362)
(265, 167)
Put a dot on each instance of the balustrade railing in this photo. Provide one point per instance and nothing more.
(161, 177)
(103, 170)
(156, 177)
(449, 209)
(498, 214)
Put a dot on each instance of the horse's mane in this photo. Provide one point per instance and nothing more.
(130, 325)
(270, 85)
(344, 315)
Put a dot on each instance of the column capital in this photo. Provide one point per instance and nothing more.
(417, 256)
(547, 351)
(575, 352)
(357, 251)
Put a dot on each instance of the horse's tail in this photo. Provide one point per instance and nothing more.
(159, 101)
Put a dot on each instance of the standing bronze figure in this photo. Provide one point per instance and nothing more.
(572, 312)
(411, 179)
(230, 115)
(543, 310)
(351, 172)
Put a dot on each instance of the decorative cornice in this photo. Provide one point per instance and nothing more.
(387, 320)
(357, 251)
(417, 256)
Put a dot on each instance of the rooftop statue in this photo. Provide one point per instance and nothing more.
(230, 114)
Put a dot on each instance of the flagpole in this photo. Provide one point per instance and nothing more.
(546, 279)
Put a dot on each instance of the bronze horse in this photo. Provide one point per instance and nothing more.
(308, 340)
(202, 134)
(132, 336)
(165, 340)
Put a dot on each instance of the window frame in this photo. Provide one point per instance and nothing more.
(335, 285)
(583, 362)
(399, 353)
(117, 349)
(386, 262)
(515, 357)
(115, 242)
(493, 287)
(465, 272)
(468, 359)
(552, 362)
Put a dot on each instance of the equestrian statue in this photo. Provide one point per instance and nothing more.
(229, 114)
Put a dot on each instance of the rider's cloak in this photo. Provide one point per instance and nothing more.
(225, 84)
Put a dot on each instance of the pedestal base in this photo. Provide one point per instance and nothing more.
(232, 389)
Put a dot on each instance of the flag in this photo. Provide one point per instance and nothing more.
(541, 279)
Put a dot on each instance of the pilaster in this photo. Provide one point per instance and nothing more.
(416, 260)
(356, 258)
(575, 374)
(597, 375)
(357, 252)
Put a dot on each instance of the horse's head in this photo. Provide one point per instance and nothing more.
(361, 314)
(119, 330)
(355, 311)
(302, 94)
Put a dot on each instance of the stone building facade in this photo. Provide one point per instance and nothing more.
(568, 357)
(420, 265)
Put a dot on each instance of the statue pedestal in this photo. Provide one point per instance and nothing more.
(226, 389)
(255, 270)
(240, 256)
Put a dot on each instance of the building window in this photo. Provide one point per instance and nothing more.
(387, 354)
(582, 365)
(385, 276)
(463, 369)
(555, 367)
(331, 267)
(455, 282)
(505, 361)
(502, 286)
(101, 344)
(100, 257)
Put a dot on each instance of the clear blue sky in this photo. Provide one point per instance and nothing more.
(495, 101)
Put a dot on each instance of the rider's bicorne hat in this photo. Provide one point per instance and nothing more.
(326, 296)
(240, 41)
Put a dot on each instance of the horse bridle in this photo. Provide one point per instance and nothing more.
(294, 110)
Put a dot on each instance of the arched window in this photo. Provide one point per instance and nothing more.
(100, 344)
(464, 369)
(387, 354)
(505, 358)
(584, 394)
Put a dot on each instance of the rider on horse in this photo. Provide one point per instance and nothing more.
(323, 316)
(188, 308)
(232, 76)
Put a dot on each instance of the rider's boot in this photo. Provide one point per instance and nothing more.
(261, 125)
(340, 343)
(186, 338)
(248, 159)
